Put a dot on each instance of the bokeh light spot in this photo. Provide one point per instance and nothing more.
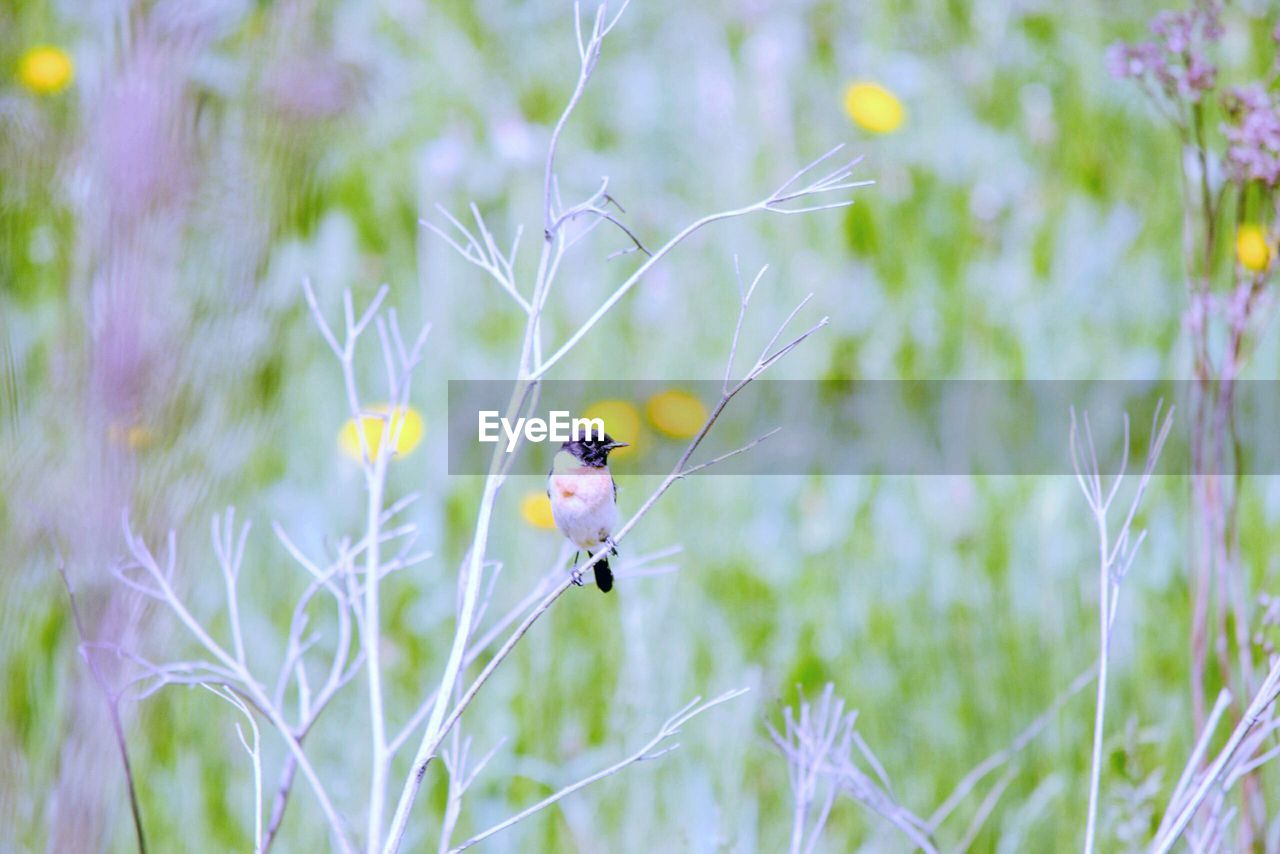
(1252, 249)
(535, 508)
(874, 108)
(46, 70)
(406, 419)
(621, 421)
(676, 413)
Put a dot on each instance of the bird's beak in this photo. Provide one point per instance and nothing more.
(613, 445)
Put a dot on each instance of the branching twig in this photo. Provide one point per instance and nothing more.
(533, 366)
(1186, 809)
(650, 750)
(461, 775)
(433, 736)
(483, 252)
(1000, 757)
(243, 681)
(1114, 559)
(837, 181)
(255, 755)
(112, 699)
(984, 810)
(228, 673)
(818, 742)
(399, 363)
(633, 568)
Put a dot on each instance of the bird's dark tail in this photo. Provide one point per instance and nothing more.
(604, 575)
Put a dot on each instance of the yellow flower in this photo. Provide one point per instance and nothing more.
(1252, 249)
(407, 420)
(677, 413)
(621, 421)
(137, 437)
(535, 507)
(873, 107)
(46, 70)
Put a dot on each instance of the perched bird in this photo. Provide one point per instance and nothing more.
(584, 500)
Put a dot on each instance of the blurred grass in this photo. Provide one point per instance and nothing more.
(1025, 224)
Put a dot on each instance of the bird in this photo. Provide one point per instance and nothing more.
(584, 500)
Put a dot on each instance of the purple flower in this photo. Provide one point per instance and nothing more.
(1133, 60)
(1253, 134)
(1175, 61)
(1176, 30)
(1198, 78)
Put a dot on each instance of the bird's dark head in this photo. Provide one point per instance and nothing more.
(593, 450)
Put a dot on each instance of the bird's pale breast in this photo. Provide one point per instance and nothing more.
(583, 506)
(584, 486)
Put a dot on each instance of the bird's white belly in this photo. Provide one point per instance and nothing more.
(584, 508)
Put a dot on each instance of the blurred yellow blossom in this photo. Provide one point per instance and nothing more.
(46, 70)
(1252, 250)
(407, 420)
(535, 507)
(621, 421)
(677, 413)
(873, 107)
(136, 436)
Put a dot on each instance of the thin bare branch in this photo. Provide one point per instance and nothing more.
(1261, 702)
(668, 730)
(1002, 756)
(112, 699)
(1113, 562)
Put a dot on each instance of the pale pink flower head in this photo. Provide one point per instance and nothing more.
(1175, 60)
(1253, 134)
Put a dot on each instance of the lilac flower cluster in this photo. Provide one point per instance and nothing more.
(1253, 135)
(1175, 60)
(1176, 65)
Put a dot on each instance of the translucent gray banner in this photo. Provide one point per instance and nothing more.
(924, 427)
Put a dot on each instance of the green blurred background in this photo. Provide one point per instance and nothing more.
(158, 214)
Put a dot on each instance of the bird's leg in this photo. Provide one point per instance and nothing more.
(612, 546)
(575, 573)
